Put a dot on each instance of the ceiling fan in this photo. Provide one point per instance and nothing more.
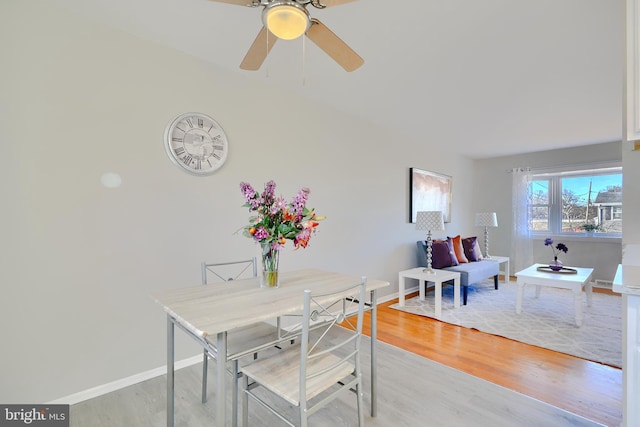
(289, 19)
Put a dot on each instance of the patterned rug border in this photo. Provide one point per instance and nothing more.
(547, 322)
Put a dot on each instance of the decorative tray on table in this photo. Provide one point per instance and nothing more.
(563, 270)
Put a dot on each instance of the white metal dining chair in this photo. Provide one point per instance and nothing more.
(243, 341)
(324, 365)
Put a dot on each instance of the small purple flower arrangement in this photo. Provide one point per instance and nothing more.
(560, 247)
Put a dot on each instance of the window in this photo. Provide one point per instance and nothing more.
(540, 204)
(577, 202)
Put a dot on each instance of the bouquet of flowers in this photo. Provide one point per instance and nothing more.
(275, 221)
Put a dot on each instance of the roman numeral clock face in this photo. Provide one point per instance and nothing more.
(196, 143)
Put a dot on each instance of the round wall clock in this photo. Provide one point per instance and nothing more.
(196, 143)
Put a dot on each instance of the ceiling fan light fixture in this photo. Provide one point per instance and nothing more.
(287, 20)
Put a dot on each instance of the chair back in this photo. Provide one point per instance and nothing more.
(332, 323)
(226, 271)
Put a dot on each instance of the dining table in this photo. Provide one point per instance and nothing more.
(205, 312)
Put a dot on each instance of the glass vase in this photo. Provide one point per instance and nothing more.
(270, 257)
(556, 264)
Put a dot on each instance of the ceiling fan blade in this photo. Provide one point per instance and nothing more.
(259, 50)
(326, 40)
(330, 3)
(236, 2)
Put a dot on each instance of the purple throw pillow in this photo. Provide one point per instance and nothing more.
(442, 254)
(472, 249)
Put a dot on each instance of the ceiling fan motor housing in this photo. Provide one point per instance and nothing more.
(286, 19)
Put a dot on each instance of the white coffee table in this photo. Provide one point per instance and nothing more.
(437, 277)
(573, 282)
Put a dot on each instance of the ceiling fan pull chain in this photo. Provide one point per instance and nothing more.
(266, 69)
(304, 50)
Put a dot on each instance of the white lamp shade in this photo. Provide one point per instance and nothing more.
(486, 219)
(429, 220)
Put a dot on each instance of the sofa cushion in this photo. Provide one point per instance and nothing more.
(442, 254)
(475, 272)
(459, 249)
(472, 248)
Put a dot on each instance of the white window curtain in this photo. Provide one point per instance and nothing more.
(521, 242)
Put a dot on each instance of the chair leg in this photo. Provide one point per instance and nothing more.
(245, 401)
(302, 410)
(234, 398)
(495, 281)
(360, 404)
(464, 294)
(205, 368)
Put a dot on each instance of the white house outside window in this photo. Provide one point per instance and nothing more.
(579, 202)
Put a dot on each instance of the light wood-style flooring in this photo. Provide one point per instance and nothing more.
(412, 391)
(586, 388)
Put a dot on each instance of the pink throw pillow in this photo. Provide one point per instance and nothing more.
(458, 249)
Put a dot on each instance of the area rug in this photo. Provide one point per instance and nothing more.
(547, 322)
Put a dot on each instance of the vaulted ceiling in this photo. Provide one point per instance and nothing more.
(486, 77)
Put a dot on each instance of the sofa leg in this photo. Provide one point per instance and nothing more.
(495, 281)
(464, 295)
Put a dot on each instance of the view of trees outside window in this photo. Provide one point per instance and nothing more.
(589, 203)
(540, 205)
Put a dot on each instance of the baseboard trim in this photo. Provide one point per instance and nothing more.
(396, 295)
(124, 382)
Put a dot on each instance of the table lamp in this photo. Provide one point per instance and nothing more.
(486, 220)
(430, 221)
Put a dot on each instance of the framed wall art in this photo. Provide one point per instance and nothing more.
(430, 191)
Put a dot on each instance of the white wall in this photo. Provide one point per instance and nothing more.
(494, 194)
(78, 260)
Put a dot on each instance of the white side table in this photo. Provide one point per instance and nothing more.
(437, 277)
(500, 260)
